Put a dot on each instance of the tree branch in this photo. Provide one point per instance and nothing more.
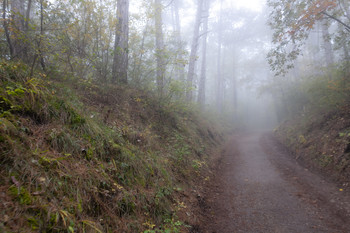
(347, 27)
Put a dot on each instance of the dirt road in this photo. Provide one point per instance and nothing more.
(259, 187)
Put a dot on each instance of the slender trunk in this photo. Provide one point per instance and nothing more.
(159, 47)
(327, 44)
(17, 15)
(25, 29)
(138, 64)
(6, 27)
(120, 61)
(194, 49)
(42, 61)
(235, 96)
(219, 94)
(203, 77)
(177, 17)
(180, 69)
(27, 18)
(234, 89)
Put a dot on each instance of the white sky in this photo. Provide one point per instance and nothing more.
(254, 5)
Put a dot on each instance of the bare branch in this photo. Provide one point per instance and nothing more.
(347, 27)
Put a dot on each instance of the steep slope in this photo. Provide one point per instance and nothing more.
(77, 156)
(321, 141)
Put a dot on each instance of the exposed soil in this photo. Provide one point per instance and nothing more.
(259, 187)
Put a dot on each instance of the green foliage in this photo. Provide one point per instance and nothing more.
(21, 195)
(292, 22)
(345, 134)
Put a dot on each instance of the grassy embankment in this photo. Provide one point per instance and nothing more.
(77, 156)
(319, 134)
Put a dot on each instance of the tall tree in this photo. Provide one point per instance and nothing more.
(327, 46)
(20, 16)
(180, 70)
(203, 75)
(120, 60)
(220, 80)
(158, 8)
(6, 27)
(194, 49)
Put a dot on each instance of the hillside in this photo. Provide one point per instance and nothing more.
(321, 141)
(82, 157)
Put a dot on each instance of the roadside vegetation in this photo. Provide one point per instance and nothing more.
(82, 157)
(310, 60)
(318, 129)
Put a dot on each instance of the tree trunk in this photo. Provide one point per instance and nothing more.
(219, 93)
(159, 47)
(327, 44)
(180, 68)
(41, 57)
(17, 15)
(235, 97)
(194, 49)
(234, 89)
(6, 27)
(120, 60)
(202, 80)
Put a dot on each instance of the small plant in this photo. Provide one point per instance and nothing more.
(325, 160)
(21, 195)
(345, 133)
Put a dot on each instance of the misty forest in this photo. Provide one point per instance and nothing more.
(165, 116)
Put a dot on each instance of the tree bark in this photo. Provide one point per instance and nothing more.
(120, 60)
(203, 77)
(159, 47)
(194, 49)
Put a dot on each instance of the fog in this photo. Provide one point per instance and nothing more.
(241, 29)
(255, 63)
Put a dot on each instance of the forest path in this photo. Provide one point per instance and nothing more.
(259, 187)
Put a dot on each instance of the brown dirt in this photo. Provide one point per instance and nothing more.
(259, 187)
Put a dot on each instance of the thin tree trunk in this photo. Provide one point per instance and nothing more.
(42, 61)
(327, 44)
(235, 96)
(194, 49)
(18, 12)
(159, 47)
(180, 67)
(120, 61)
(219, 94)
(6, 27)
(203, 77)
(138, 64)
(27, 18)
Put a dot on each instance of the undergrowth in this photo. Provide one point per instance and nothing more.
(317, 130)
(81, 157)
